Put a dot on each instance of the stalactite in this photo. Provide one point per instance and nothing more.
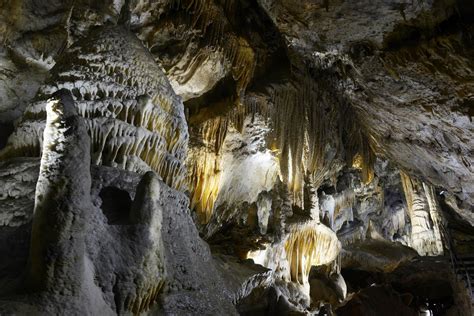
(368, 159)
(309, 244)
(345, 199)
(435, 215)
(214, 132)
(250, 106)
(423, 213)
(133, 117)
(302, 130)
(204, 178)
(358, 152)
(243, 63)
(204, 163)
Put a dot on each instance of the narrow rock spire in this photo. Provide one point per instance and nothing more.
(57, 240)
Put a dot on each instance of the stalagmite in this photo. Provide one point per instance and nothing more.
(59, 222)
(147, 214)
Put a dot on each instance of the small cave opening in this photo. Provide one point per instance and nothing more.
(6, 129)
(116, 205)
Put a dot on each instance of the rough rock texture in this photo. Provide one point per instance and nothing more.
(135, 120)
(80, 261)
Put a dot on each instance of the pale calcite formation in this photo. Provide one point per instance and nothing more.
(219, 176)
(204, 165)
(134, 119)
(307, 244)
(310, 244)
(197, 74)
(424, 215)
(57, 242)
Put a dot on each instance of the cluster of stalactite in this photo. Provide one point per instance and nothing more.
(344, 200)
(300, 133)
(301, 119)
(309, 244)
(306, 122)
(204, 167)
(311, 127)
(134, 119)
(205, 155)
(424, 215)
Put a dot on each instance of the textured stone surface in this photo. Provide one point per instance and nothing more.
(80, 261)
(135, 120)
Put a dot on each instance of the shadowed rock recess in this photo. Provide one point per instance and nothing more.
(237, 157)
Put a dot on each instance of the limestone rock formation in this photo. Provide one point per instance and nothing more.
(221, 157)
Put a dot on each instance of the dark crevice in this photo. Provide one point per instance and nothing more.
(407, 35)
(6, 129)
(116, 205)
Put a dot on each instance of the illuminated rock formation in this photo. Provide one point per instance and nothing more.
(311, 244)
(134, 119)
(215, 168)
(424, 215)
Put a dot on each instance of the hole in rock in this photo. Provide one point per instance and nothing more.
(116, 205)
(5, 131)
(402, 36)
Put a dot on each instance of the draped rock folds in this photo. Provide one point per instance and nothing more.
(310, 244)
(133, 117)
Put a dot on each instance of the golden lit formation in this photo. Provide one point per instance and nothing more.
(424, 215)
(310, 244)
